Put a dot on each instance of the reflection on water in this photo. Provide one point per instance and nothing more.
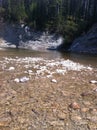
(12, 52)
(82, 59)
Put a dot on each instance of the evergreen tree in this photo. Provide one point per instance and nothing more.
(51, 14)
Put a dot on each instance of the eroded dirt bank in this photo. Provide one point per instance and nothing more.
(57, 96)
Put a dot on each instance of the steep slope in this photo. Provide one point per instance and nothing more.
(21, 36)
(86, 43)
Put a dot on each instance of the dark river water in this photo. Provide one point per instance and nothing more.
(79, 58)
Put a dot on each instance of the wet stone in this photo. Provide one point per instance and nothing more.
(74, 106)
(92, 119)
(77, 119)
(54, 80)
(5, 128)
(57, 123)
(11, 68)
(93, 82)
(86, 94)
(61, 115)
(5, 121)
(84, 110)
(95, 90)
(92, 126)
(87, 103)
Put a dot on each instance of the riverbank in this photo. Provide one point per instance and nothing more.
(56, 95)
(24, 37)
(21, 36)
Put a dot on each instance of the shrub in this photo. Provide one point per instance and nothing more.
(70, 31)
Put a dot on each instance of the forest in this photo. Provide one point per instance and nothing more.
(70, 18)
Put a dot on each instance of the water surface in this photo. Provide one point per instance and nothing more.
(79, 58)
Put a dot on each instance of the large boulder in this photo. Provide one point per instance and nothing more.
(86, 43)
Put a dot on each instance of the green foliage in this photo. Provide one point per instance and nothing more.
(21, 12)
(70, 27)
(2, 10)
(33, 6)
(70, 30)
(68, 17)
(15, 11)
(32, 11)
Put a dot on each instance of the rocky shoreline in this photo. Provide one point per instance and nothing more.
(63, 99)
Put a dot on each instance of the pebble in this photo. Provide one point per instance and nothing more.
(93, 81)
(16, 80)
(78, 120)
(74, 105)
(5, 121)
(59, 71)
(95, 90)
(84, 110)
(49, 76)
(86, 93)
(54, 80)
(11, 68)
(89, 68)
(75, 118)
(30, 71)
(61, 115)
(94, 110)
(24, 79)
(57, 123)
(16, 57)
(87, 103)
(92, 119)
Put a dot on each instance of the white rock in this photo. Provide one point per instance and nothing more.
(59, 71)
(16, 80)
(11, 68)
(30, 71)
(89, 68)
(95, 89)
(26, 66)
(93, 81)
(25, 72)
(54, 80)
(49, 76)
(16, 57)
(24, 79)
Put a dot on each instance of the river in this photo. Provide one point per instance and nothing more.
(84, 59)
